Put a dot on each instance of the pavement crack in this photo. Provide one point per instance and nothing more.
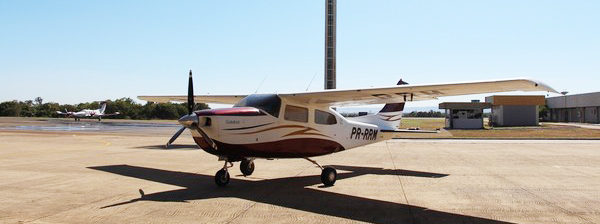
(410, 210)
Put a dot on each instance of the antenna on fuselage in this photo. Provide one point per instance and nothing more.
(260, 84)
(313, 78)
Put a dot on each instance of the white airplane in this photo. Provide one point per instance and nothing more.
(98, 113)
(303, 125)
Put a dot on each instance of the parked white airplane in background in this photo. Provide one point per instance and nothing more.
(98, 113)
(303, 125)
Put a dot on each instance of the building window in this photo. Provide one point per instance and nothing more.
(322, 117)
(294, 113)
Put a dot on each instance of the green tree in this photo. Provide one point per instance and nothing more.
(10, 108)
(47, 110)
(127, 108)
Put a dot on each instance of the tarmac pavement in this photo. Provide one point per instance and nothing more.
(128, 177)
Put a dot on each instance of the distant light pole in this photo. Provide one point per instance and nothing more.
(565, 110)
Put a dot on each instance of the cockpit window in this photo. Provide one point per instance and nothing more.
(322, 117)
(269, 103)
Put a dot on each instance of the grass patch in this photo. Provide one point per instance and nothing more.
(423, 123)
(545, 131)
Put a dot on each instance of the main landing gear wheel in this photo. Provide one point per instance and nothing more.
(328, 176)
(247, 167)
(222, 178)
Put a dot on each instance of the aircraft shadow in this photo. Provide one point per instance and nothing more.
(290, 192)
(172, 147)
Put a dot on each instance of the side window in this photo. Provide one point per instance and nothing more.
(294, 113)
(322, 117)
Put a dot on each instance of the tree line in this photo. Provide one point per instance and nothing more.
(127, 107)
(429, 113)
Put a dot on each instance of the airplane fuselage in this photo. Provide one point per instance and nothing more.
(291, 130)
(87, 113)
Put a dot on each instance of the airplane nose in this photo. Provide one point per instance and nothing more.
(188, 120)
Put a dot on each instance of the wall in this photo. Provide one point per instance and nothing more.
(591, 115)
(579, 100)
(516, 115)
(467, 123)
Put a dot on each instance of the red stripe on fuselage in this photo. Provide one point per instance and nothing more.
(287, 148)
(234, 111)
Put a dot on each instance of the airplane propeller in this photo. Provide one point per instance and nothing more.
(190, 110)
(191, 120)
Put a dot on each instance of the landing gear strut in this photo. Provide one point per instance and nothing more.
(247, 167)
(328, 174)
(222, 177)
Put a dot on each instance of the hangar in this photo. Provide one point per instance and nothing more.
(581, 108)
(515, 110)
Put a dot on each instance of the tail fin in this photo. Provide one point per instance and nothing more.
(388, 118)
(102, 107)
(394, 107)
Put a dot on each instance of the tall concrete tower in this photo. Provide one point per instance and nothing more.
(330, 14)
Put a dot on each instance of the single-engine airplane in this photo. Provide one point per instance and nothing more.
(98, 113)
(303, 125)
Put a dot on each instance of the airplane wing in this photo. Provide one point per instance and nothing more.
(115, 113)
(404, 93)
(380, 95)
(224, 99)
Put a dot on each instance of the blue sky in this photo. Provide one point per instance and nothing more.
(82, 51)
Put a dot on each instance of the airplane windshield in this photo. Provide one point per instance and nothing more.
(269, 103)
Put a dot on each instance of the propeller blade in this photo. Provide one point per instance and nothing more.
(190, 95)
(174, 137)
(208, 140)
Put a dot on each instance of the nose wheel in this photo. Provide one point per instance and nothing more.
(222, 176)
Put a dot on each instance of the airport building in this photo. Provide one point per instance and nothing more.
(506, 111)
(515, 110)
(581, 108)
(464, 115)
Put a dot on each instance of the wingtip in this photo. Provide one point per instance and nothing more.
(541, 85)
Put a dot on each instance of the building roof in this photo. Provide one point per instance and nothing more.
(520, 100)
(463, 105)
(577, 100)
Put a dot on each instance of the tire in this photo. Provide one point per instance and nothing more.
(247, 167)
(328, 176)
(222, 178)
